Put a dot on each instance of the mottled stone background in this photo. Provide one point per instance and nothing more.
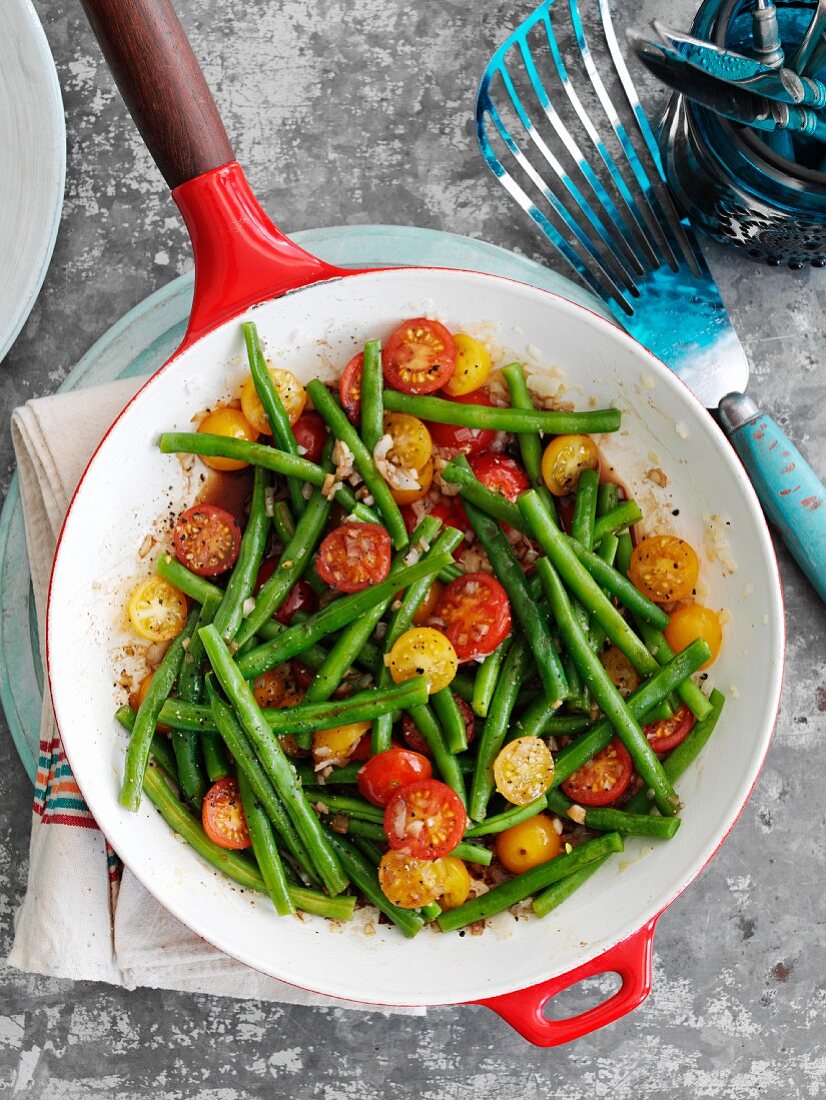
(360, 112)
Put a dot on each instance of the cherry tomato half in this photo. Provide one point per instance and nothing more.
(349, 387)
(564, 459)
(291, 393)
(301, 597)
(501, 474)
(310, 433)
(207, 539)
(414, 740)
(386, 772)
(354, 556)
(423, 651)
(419, 356)
(472, 366)
(223, 815)
(668, 733)
(425, 819)
(233, 424)
(528, 844)
(664, 568)
(603, 779)
(695, 621)
(408, 882)
(157, 611)
(336, 746)
(475, 614)
(457, 439)
(524, 770)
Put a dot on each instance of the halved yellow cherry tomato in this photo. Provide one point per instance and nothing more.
(472, 366)
(623, 674)
(233, 424)
(428, 604)
(292, 393)
(456, 883)
(523, 770)
(528, 844)
(156, 610)
(423, 651)
(564, 460)
(692, 621)
(664, 568)
(409, 882)
(412, 445)
(410, 496)
(277, 688)
(336, 745)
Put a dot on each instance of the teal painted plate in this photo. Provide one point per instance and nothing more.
(142, 341)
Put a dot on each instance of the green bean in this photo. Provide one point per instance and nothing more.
(364, 706)
(688, 691)
(463, 684)
(192, 776)
(402, 620)
(625, 548)
(450, 719)
(140, 741)
(313, 657)
(431, 912)
(327, 406)
(230, 611)
(609, 578)
(276, 765)
(295, 639)
(578, 699)
(607, 819)
(533, 720)
(658, 714)
(496, 727)
(606, 694)
(619, 519)
(458, 472)
(215, 758)
(451, 572)
(585, 508)
(560, 552)
(283, 522)
(161, 753)
(264, 849)
(607, 499)
(446, 763)
(535, 628)
(368, 849)
(345, 776)
(503, 420)
(258, 454)
(606, 548)
(530, 882)
(234, 864)
(197, 588)
(680, 758)
(280, 427)
(372, 830)
(557, 893)
(344, 804)
(648, 695)
(372, 403)
(365, 879)
(357, 826)
(485, 683)
(530, 446)
(247, 762)
(498, 823)
(351, 642)
(291, 565)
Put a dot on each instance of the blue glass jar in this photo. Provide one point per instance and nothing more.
(727, 179)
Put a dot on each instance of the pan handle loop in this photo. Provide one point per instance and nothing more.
(631, 960)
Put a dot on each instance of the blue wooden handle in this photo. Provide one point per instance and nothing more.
(792, 495)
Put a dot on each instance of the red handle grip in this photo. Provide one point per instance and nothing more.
(525, 1009)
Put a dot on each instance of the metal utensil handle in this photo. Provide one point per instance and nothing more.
(792, 495)
(162, 84)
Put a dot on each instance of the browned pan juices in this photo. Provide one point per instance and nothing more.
(230, 491)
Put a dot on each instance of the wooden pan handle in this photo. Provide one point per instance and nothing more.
(162, 85)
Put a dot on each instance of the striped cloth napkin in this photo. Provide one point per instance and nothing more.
(84, 915)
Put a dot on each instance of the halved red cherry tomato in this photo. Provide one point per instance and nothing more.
(349, 387)
(301, 598)
(415, 741)
(501, 474)
(354, 556)
(207, 539)
(223, 815)
(459, 440)
(387, 772)
(419, 356)
(603, 779)
(362, 751)
(310, 432)
(425, 819)
(668, 733)
(475, 614)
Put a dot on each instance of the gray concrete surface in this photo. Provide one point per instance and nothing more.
(360, 111)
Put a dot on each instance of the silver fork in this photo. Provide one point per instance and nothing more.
(582, 161)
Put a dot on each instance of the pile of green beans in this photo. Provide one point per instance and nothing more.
(316, 842)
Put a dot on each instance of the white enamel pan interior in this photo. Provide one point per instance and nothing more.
(129, 489)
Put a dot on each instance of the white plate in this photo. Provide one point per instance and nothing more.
(32, 163)
(130, 484)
